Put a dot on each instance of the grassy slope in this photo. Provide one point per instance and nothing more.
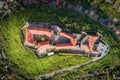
(24, 61)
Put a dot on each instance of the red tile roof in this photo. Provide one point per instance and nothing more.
(69, 36)
(46, 45)
(40, 31)
(91, 41)
(117, 32)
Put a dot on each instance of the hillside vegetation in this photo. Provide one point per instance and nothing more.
(26, 63)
